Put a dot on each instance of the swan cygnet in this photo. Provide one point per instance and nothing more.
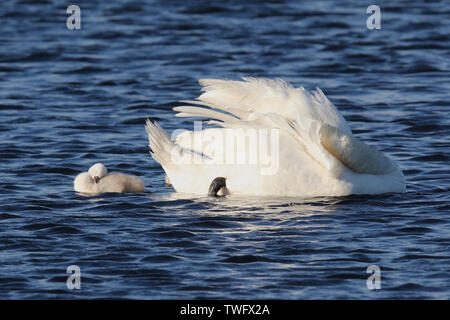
(97, 180)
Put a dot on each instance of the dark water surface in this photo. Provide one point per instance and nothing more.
(70, 98)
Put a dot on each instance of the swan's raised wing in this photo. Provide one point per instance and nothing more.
(315, 124)
(254, 96)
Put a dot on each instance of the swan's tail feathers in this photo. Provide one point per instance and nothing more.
(159, 142)
(356, 155)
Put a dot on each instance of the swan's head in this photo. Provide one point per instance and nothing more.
(97, 171)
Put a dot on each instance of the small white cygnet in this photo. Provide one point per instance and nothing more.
(97, 180)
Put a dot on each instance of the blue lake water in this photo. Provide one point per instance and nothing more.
(70, 98)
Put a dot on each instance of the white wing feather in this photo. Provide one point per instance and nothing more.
(260, 95)
(266, 103)
(311, 119)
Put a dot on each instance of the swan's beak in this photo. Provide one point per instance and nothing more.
(96, 179)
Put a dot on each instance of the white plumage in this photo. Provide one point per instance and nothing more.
(312, 145)
(97, 180)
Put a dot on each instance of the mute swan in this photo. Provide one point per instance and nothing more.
(312, 151)
(97, 180)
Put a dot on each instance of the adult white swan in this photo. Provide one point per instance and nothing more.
(97, 180)
(312, 151)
